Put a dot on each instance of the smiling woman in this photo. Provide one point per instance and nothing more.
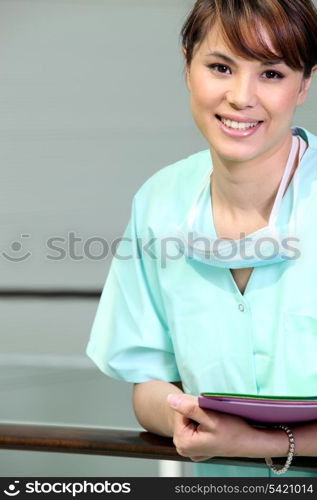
(231, 251)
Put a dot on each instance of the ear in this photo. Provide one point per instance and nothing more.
(305, 87)
(186, 69)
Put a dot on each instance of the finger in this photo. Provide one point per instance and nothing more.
(183, 453)
(188, 406)
(183, 426)
(199, 459)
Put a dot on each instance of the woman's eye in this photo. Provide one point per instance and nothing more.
(273, 75)
(219, 68)
(225, 70)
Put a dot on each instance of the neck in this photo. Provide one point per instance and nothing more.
(240, 187)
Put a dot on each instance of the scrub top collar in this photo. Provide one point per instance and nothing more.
(199, 219)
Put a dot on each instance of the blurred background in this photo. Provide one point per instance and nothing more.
(92, 102)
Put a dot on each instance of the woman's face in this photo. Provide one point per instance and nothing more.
(243, 108)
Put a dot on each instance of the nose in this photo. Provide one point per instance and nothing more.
(242, 92)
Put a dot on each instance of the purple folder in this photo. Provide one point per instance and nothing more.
(262, 410)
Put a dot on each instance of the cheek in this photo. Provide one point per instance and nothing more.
(284, 101)
(203, 91)
(200, 96)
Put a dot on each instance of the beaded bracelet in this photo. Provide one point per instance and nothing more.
(291, 452)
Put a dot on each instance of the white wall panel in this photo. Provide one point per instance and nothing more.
(92, 102)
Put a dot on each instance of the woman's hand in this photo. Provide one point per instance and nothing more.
(202, 434)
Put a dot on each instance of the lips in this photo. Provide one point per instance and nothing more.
(238, 129)
(238, 119)
(238, 124)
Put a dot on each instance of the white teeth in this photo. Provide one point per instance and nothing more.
(238, 125)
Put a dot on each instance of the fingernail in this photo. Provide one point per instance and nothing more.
(174, 400)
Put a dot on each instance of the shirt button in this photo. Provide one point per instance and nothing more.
(241, 307)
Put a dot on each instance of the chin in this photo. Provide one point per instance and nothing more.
(234, 155)
(236, 159)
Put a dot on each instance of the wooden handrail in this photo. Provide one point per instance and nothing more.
(111, 442)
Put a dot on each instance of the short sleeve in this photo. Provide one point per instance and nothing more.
(129, 338)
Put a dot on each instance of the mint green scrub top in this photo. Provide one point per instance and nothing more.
(163, 316)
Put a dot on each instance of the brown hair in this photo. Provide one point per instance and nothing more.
(290, 24)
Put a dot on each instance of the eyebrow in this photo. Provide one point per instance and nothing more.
(232, 62)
